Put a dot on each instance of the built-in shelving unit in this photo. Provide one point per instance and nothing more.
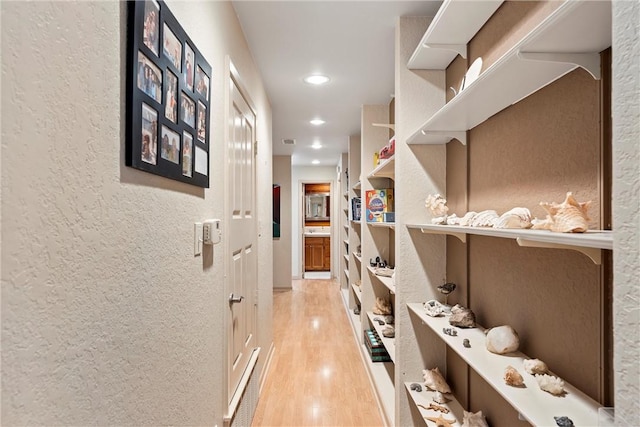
(387, 281)
(346, 257)
(589, 243)
(572, 36)
(535, 405)
(424, 398)
(357, 186)
(448, 35)
(389, 343)
(358, 257)
(357, 292)
(386, 169)
(391, 225)
(346, 273)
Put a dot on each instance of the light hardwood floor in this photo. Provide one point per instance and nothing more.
(316, 377)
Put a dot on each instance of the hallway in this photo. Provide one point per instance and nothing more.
(316, 376)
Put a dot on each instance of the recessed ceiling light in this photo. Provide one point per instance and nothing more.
(317, 122)
(316, 79)
(316, 162)
(316, 146)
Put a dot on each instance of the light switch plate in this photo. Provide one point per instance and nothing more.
(197, 239)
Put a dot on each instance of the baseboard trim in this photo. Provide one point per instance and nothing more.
(266, 368)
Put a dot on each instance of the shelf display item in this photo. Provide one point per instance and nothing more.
(453, 219)
(465, 221)
(512, 377)
(569, 216)
(437, 205)
(502, 339)
(466, 343)
(382, 306)
(450, 331)
(434, 407)
(550, 384)
(375, 347)
(462, 317)
(389, 332)
(416, 387)
(434, 380)
(472, 73)
(438, 397)
(471, 419)
(441, 422)
(484, 219)
(389, 319)
(377, 203)
(514, 218)
(535, 366)
(563, 421)
(434, 308)
(383, 271)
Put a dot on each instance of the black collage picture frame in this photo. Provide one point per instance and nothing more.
(168, 96)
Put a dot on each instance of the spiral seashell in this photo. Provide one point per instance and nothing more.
(569, 216)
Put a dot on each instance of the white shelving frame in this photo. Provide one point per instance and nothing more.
(570, 37)
(536, 406)
(391, 225)
(590, 243)
(357, 292)
(448, 35)
(423, 398)
(387, 281)
(386, 169)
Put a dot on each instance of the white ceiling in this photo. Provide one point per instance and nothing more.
(352, 42)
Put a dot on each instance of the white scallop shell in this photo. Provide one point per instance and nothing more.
(502, 339)
(467, 218)
(437, 205)
(434, 380)
(515, 218)
(550, 384)
(484, 219)
(535, 366)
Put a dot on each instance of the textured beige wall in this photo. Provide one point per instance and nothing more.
(107, 317)
(282, 246)
(626, 210)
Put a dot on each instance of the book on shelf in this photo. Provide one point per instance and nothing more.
(356, 208)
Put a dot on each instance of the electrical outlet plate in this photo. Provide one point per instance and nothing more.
(197, 239)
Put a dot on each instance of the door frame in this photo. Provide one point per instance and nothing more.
(301, 215)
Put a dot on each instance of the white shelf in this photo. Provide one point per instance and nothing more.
(346, 226)
(386, 169)
(353, 221)
(389, 343)
(385, 125)
(357, 292)
(357, 186)
(346, 273)
(346, 242)
(448, 34)
(345, 209)
(391, 225)
(387, 281)
(589, 243)
(346, 257)
(572, 36)
(381, 375)
(346, 195)
(535, 405)
(356, 324)
(358, 257)
(425, 397)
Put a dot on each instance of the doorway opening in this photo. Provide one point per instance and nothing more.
(316, 231)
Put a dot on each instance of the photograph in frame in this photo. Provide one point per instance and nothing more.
(149, 141)
(171, 47)
(189, 69)
(151, 29)
(202, 83)
(202, 122)
(170, 145)
(171, 98)
(187, 154)
(149, 78)
(187, 110)
(202, 161)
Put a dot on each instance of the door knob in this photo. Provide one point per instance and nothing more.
(234, 299)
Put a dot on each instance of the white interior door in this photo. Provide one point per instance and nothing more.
(242, 262)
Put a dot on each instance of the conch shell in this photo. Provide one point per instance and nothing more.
(535, 366)
(515, 218)
(434, 380)
(437, 205)
(474, 420)
(569, 216)
(512, 377)
(484, 219)
(550, 384)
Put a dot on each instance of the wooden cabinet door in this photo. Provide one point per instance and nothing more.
(307, 256)
(314, 254)
(327, 254)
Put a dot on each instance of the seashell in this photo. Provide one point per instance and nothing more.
(563, 421)
(467, 218)
(512, 377)
(382, 306)
(484, 219)
(569, 216)
(542, 224)
(466, 343)
(474, 420)
(434, 380)
(434, 308)
(462, 317)
(440, 220)
(503, 339)
(388, 332)
(415, 386)
(453, 220)
(437, 205)
(440, 398)
(515, 218)
(535, 366)
(550, 384)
